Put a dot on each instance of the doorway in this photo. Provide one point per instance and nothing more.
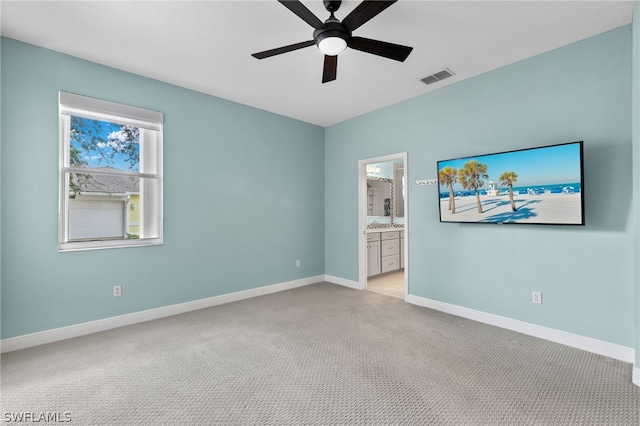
(383, 225)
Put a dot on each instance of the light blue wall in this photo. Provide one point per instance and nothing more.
(243, 198)
(578, 92)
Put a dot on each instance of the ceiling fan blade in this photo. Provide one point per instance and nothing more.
(303, 13)
(330, 68)
(364, 12)
(283, 49)
(381, 48)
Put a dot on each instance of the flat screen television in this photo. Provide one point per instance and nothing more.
(541, 186)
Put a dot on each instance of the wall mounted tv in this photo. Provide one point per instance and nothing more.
(541, 186)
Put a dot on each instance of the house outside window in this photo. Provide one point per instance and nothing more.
(110, 174)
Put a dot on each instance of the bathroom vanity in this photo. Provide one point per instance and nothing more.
(385, 251)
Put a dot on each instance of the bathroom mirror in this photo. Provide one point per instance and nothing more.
(379, 197)
(385, 191)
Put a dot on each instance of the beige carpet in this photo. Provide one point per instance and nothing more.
(317, 355)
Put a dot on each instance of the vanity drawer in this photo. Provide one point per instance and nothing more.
(390, 247)
(389, 235)
(390, 263)
(374, 236)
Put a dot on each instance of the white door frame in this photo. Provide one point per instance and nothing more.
(362, 217)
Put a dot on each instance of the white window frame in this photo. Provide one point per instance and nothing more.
(150, 124)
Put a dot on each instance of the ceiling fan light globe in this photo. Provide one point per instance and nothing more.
(331, 46)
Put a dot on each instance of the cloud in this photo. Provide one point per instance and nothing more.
(117, 136)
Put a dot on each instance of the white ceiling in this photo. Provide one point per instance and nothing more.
(207, 45)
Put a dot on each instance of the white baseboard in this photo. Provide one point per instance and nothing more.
(636, 376)
(62, 333)
(599, 347)
(343, 282)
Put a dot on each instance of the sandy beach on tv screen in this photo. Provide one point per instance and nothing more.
(538, 208)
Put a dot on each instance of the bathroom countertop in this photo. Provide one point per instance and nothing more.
(385, 229)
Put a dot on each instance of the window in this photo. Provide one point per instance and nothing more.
(110, 174)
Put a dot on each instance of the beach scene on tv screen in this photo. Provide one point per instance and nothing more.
(536, 186)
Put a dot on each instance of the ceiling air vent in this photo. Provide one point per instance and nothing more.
(434, 78)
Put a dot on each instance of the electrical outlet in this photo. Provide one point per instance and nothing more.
(297, 263)
(536, 297)
(117, 291)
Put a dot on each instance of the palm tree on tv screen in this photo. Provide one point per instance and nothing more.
(448, 177)
(508, 179)
(471, 176)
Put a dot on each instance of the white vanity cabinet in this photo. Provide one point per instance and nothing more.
(373, 254)
(384, 252)
(389, 251)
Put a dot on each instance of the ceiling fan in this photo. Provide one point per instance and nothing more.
(333, 36)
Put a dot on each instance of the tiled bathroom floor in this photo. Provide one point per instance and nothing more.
(390, 284)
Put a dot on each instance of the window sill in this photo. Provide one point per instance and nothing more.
(108, 244)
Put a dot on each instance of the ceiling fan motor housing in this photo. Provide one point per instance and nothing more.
(332, 26)
(333, 29)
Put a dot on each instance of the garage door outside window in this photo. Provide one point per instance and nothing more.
(91, 219)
